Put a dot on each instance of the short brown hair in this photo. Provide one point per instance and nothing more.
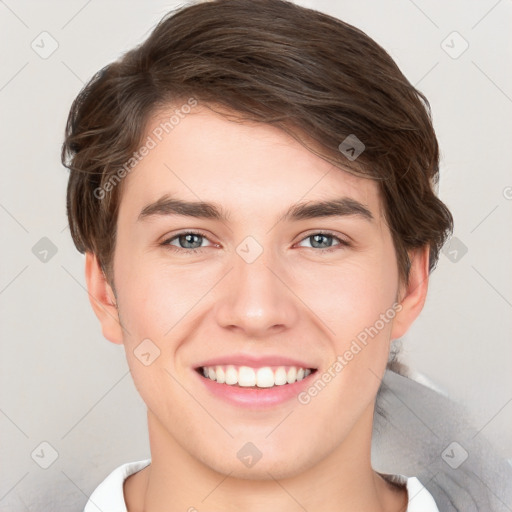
(271, 61)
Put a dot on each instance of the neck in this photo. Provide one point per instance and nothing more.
(343, 481)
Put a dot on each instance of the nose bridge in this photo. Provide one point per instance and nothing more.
(256, 297)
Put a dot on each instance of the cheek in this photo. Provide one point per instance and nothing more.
(157, 307)
(351, 296)
(356, 301)
(356, 304)
(155, 297)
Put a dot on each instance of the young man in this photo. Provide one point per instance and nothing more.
(253, 187)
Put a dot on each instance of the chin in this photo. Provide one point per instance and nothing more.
(281, 466)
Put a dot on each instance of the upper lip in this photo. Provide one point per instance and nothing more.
(256, 362)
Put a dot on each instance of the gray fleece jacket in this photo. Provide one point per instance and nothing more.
(420, 432)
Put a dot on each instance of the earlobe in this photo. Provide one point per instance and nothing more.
(414, 294)
(102, 299)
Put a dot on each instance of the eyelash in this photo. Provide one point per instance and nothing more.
(166, 243)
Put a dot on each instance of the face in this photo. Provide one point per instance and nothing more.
(253, 288)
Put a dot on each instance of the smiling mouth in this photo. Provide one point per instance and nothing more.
(248, 377)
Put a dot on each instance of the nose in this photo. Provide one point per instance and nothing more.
(257, 298)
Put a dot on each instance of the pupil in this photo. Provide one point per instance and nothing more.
(318, 238)
(189, 239)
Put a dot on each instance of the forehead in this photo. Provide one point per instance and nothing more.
(243, 165)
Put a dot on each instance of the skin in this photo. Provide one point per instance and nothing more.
(293, 300)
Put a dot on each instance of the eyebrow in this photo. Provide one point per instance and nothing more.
(338, 207)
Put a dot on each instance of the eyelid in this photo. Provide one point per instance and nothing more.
(340, 236)
(343, 240)
(169, 238)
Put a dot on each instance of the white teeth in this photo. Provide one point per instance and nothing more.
(246, 377)
(221, 376)
(280, 376)
(265, 377)
(231, 375)
(291, 376)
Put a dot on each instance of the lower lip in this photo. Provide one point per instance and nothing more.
(256, 397)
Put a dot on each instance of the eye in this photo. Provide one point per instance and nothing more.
(320, 240)
(191, 241)
(188, 241)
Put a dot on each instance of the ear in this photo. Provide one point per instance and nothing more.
(102, 299)
(413, 295)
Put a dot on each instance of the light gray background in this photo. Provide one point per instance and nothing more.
(63, 384)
